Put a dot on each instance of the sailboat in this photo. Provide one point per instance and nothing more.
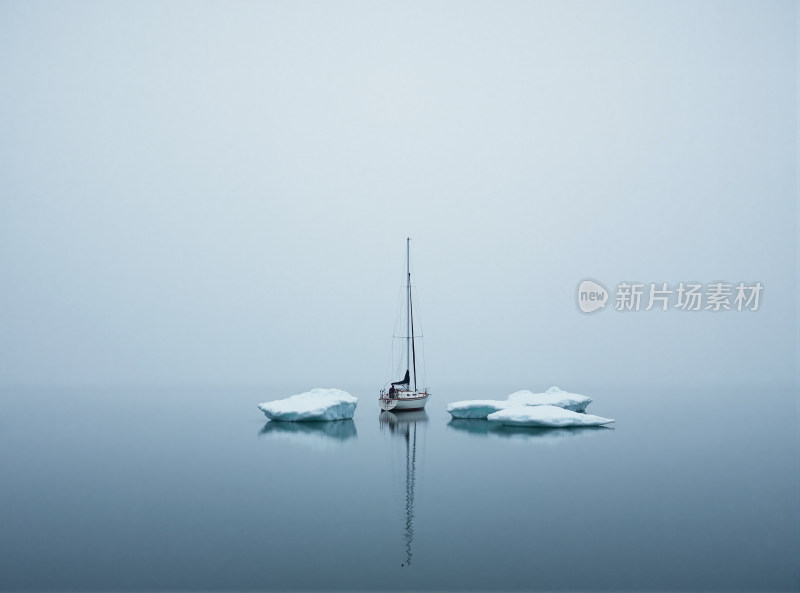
(403, 395)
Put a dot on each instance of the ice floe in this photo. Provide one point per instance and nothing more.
(552, 397)
(545, 416)
(477, 408)
(481, 408)
(317, 405)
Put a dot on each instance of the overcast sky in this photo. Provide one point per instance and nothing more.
(220, 192)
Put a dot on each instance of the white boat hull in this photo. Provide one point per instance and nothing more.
(404, 402)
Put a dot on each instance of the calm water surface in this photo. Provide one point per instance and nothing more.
(191, 489)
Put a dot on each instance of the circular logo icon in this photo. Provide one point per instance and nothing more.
(591, 296)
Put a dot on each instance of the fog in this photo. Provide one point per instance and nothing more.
(220, 193)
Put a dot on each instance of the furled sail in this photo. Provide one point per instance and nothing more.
(404, 381)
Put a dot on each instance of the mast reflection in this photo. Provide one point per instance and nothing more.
(404, 425)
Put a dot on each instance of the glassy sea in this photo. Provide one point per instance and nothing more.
(192, 489)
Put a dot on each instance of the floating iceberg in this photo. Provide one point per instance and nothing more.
(552, 397)
(477, 408)
(481, 408)
(317, 405)
(547, 416)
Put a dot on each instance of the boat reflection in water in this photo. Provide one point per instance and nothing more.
(404, 425)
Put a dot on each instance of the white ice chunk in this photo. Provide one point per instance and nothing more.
(545, 416)
(476, 408)
(481, 408)
(315, 405)
(552, 397)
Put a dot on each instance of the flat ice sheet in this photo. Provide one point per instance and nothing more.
(476, 408)
(552, 397)
(317, 405)
(546, 416)
(481, 408)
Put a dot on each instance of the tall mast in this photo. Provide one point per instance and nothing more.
(408, 290)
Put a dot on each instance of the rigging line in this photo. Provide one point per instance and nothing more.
(424, 366)
(424, 370)
(390, 362)
(397, 311)
(417, 326)
(408, 271)
(413, 347)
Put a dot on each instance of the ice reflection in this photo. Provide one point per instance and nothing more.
(484, 428)
(314, 434)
